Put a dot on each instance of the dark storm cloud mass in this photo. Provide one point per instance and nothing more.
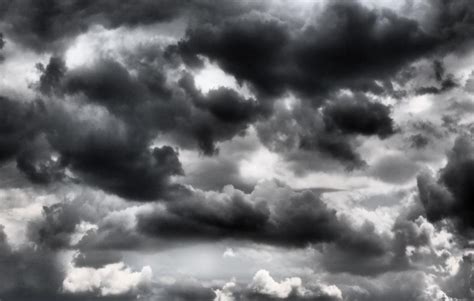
(45, 24)
(17, 124)
(272, 214)
(150, 105)
(358, 115)
(51, 74)
(313, 89)
(451, 196)
(271, 55)
(47, 138)
(277, 57)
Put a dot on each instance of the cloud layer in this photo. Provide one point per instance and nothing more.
(191, 150)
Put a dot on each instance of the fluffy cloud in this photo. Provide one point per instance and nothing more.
(160, 134)
(264, 287)
(112, 279)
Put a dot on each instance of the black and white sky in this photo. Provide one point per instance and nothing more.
(236, 150)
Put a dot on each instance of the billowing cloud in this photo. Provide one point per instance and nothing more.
(190, 150)
(112, 279)
(450, 196)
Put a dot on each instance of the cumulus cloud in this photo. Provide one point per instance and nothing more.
(119, 147)
(264, 287)
(112, 279)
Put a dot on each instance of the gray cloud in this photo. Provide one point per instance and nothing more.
(128, 155)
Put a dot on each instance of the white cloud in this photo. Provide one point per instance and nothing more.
(229, 253)
(225, 294)
(263, 283)
(112, 279)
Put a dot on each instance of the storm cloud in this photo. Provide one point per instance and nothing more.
(239, 150)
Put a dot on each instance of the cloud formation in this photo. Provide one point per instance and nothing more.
(191, 150)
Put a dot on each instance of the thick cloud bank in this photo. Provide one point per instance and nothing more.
(236, 150)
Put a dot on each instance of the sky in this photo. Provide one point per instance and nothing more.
(236, 150)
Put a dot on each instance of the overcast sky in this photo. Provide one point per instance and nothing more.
(236, 150)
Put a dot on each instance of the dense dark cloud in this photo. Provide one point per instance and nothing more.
(18, 122)
(282, 217)
(303, 131)
(51, 74)
(48, 136)
(272, 56)
(234, 215)
(48, 139)
(453, 22)
(131, 173)
(357, 115)
(451, 196)
(40, 163)
(219, 115)
(320, 91)
(149, 104)
(2, 44)
(46, 24)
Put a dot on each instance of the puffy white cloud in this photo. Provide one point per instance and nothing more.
(225, 294)
(112, 279)
(263, 283)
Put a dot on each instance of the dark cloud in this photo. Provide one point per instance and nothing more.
(40, 163)
(219, 115)
(18, 123)
(301, 135)
(450, 197)
(51, 74)
(283, 218)
(108, 154)
(357, 115)
(149, 104)
(108, 83)
(312, 89)
(2, 44)
(271, 55)
(48, 136)
(44, 25)
(60, 222)
(54, 230)
(135, 174)
(453, 23)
